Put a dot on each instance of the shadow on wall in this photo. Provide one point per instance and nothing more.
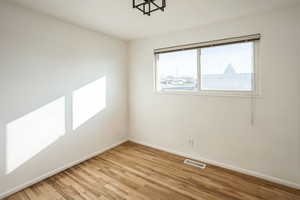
(22, 139)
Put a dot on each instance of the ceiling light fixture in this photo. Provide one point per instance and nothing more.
(149, 6)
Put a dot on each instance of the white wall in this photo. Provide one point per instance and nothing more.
(221, 126)
(42, 61)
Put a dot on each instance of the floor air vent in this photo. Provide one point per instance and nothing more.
(195, 164)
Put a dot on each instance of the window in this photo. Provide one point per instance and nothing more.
(178, 70)
(227, 67)
(222, 68)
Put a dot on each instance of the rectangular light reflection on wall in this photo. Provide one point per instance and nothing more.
(88, 101)
(32, 133)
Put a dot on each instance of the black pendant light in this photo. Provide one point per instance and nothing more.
(149, 6)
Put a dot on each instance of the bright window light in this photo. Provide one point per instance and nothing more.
(34, 132)
(88, 101)
(177, 71)
(227, 67)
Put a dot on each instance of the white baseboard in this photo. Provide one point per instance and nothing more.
(226, 166)
(58, 170)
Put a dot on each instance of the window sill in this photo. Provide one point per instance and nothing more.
(241, 94)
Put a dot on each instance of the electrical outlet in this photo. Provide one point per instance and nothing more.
(191, 142)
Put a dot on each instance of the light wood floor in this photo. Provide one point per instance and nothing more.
(132, 171)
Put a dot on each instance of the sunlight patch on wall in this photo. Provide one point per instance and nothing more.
(88, 101)
(30, 134)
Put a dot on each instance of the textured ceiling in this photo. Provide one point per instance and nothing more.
(118, 18)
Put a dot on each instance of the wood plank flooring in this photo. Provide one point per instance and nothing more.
(136, 172)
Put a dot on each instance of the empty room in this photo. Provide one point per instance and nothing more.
(150, 100)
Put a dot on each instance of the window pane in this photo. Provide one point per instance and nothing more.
(227, 67)
(177, 71)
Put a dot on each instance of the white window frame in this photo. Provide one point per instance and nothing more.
(255, 79)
